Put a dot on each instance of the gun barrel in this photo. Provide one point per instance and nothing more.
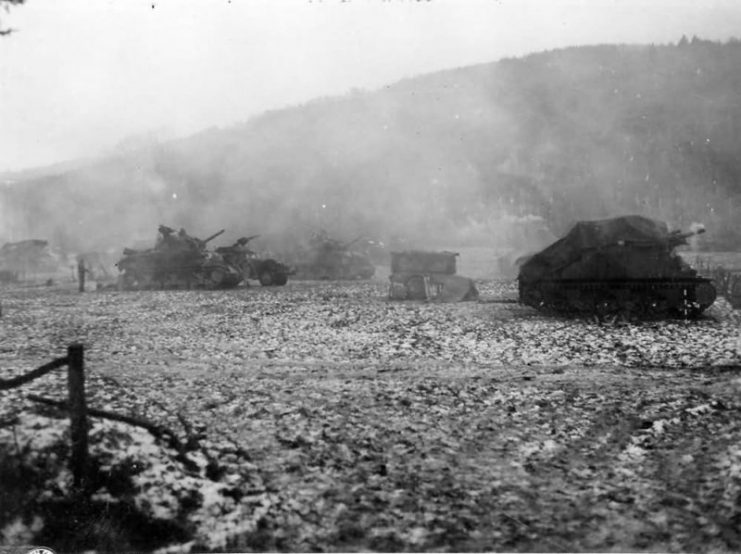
(679, 237)
(212, 237)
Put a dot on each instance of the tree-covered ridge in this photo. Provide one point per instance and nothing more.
(455, 156)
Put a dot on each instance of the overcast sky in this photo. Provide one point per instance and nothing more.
(78, 76)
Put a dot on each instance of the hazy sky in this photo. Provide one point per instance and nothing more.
(79, 76)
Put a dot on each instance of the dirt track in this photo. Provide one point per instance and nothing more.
(368, 424)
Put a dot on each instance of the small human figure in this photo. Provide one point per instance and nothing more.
(81, 271)
(166, 231)
(186, 241)
(166, 238)
(237, 253)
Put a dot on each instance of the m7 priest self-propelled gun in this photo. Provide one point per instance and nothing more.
(267, 271)
(329, 259)
(615, 266)
(177, 260)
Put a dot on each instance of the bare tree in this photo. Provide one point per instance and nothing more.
(6, 4)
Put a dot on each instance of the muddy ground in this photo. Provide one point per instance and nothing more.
(347, 422)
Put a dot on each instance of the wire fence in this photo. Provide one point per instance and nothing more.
(79, 413)
(76, 405)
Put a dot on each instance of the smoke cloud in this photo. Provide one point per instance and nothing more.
(507, 156)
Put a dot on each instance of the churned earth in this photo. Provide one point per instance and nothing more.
(329, 418)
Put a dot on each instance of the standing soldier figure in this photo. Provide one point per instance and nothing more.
(165, 239)
(81, 270)
(238, 253)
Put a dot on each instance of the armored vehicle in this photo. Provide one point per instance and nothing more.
(26, 258)
(421, 275)
(176, 261)
(327, 258)
(268, 271)
(616, 266)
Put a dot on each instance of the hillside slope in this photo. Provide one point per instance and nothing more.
(465, 156)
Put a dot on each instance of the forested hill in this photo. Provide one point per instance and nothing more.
(465, 156)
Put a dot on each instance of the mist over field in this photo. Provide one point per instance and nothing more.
(506, 155)
(326, 401)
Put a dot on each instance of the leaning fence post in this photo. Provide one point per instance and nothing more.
(77, 414)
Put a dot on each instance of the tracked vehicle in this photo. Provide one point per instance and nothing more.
(330, 259)
(616, 266)
(26, 258)
(176, 261)
(268, 272)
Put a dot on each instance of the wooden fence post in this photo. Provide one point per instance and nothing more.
(77, 414)
(81, 273)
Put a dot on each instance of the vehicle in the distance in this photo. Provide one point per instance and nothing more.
(267, 271)
(177, 260)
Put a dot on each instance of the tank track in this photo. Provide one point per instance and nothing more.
(644, 298)
(211, 277)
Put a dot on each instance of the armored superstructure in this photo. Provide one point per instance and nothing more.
(24, 259)
(330, 259)
(267, 271)
(178, 260)
(620, 265)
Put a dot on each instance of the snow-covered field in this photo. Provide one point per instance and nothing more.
(342, 421)
(343, 323)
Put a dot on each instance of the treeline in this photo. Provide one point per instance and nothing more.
(469, 155)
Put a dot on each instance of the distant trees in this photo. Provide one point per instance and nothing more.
(579, 133)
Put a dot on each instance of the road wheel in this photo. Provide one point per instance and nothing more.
(281, 279)
(128, 280)
(266, 278)
(216, 277)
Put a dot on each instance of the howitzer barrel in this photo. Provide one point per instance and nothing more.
(678, 237)
(212, 237)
